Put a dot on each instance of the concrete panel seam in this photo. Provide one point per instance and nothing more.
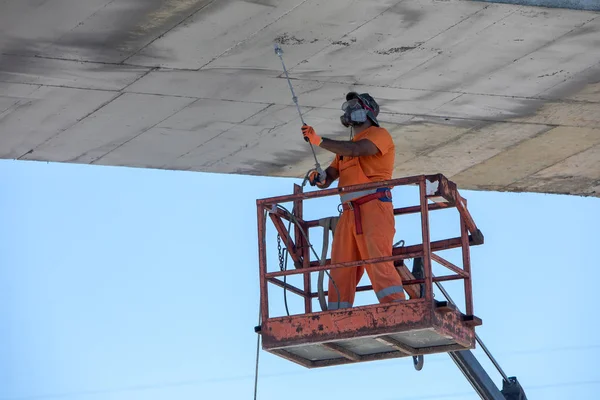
(560, 37)
(515, 60)
(141, 133)
(225, 131)
(167, 31)
(512, 146)
(138, 78)
(18, 103)
(459, 22)
(164, 95)
(466, 18)
(249, 146)
(345, 34)
(570, 101)
(68, 32)
(116, 64)
(507, 187)
(555, 40)
(515, 97)
(64, 86)
(431, 149)
(73, 124)
(505, 121)
(200, 98)
(252, 35)
(447, 102)
(440, 145)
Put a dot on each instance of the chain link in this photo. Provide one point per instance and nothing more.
(280, 253)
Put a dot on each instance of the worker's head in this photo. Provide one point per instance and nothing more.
(359, 109)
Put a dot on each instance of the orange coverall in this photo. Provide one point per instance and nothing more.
(378, 226)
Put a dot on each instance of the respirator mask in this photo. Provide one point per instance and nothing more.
(354, 113)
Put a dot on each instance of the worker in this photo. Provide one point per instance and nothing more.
(366, 226)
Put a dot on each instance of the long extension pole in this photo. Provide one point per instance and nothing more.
(279, 53)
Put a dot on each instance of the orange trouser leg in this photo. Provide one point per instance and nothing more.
(343, 281)
(377, 241)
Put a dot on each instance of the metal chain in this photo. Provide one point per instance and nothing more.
(280, 253)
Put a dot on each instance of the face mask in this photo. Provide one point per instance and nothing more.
(354, 113)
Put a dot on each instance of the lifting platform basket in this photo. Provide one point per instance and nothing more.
(420, 325)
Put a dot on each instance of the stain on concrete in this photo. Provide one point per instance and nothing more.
(551, 74)
(409, 15)
(111, 34)
(577, 86)
(278, 164)
(395, 50)
(345, 43)
(287, 39)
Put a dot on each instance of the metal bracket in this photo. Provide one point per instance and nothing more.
(512, 389)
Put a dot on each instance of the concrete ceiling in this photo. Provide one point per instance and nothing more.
(496, 96)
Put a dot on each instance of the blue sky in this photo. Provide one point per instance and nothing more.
(121, 283)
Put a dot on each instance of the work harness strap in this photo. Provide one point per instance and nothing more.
(382, 194)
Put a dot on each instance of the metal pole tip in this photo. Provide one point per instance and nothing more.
(278, 50)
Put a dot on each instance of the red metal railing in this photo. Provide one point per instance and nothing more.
(435, 187)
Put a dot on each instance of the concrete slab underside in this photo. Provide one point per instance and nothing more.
(496, 96)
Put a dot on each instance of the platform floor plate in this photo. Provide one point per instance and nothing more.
(367, 334)
(421, 339)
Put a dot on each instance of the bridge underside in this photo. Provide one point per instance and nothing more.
(495, 96)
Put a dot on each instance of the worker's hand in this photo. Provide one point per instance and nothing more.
(310, 135)
(313, 179)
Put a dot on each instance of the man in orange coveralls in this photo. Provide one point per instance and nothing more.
(366, 227)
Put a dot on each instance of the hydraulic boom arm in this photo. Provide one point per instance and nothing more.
(481, 381)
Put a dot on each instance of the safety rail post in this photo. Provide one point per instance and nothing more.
(426, 240)
(466, 256)
(262, 262)
(302, 249)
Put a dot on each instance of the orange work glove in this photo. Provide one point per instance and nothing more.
(310, 135)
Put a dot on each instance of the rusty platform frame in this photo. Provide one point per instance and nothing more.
(420, 325)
